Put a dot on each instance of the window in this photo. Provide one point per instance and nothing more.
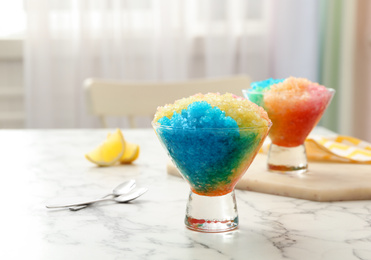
(12, 19)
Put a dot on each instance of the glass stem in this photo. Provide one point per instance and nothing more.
(287, 159)
(211, 213)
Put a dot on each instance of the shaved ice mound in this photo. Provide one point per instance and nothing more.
(212, 139)
(295, 105)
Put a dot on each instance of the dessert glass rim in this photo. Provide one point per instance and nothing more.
(156, 124)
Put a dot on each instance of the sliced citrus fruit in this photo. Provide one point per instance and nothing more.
(110, 151)
(131, 153)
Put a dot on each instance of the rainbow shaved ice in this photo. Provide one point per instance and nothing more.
(212, 139)
(295, 105)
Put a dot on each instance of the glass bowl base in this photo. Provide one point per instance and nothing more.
(211, 214)
(287, 160)
(211, 226)
(298, 170)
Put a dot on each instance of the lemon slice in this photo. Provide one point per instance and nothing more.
(131, 153)
(110, 151)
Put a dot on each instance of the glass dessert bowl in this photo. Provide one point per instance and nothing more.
(295, 106)
(212, 151)
(212, 161)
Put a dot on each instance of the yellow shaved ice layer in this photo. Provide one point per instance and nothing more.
(243, 111)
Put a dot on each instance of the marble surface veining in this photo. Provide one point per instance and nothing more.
(39, 166)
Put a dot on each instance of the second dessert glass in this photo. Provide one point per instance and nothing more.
(212, 161)
(294, 115)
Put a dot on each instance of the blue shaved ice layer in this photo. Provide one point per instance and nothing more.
(199, 114)
(265, 84)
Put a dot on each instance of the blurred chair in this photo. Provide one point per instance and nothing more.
(140, 98)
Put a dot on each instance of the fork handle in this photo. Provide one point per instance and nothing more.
(77, 204)
(76, 208)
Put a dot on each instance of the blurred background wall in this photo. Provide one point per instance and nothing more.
(48, 47)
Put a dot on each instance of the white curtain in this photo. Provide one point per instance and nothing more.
(68, 41)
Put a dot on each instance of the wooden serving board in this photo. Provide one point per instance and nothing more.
(324, 181)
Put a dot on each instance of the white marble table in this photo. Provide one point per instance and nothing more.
(40, 165)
